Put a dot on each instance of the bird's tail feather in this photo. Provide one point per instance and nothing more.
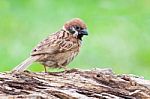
(25, 64)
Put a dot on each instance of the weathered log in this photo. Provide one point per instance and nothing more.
(73, 84)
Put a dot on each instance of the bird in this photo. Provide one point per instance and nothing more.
(59, 48)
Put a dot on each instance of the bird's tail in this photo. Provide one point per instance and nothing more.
(25, 64)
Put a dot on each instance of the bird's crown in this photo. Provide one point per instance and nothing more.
(74, 22)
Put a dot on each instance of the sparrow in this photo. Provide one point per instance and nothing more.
(59, 48)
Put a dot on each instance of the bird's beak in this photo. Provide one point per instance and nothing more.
(84, 32)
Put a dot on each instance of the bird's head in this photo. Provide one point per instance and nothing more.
(76, 27)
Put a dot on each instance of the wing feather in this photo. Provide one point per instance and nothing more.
(55, 43)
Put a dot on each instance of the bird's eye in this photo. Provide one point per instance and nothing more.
(77, 27)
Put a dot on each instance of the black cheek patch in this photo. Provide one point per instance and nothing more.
(71, 31)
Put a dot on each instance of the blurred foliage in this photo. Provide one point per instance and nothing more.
(119, 32)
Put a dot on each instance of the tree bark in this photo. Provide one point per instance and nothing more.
(73, 84)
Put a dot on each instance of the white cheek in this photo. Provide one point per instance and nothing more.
(76, 33)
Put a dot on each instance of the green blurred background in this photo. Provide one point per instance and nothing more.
(119, 32)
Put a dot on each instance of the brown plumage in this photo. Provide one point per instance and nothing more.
(58, 49)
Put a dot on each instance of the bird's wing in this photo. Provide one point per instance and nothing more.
(55, 43)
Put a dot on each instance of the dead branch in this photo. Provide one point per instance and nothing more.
(73, 84)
